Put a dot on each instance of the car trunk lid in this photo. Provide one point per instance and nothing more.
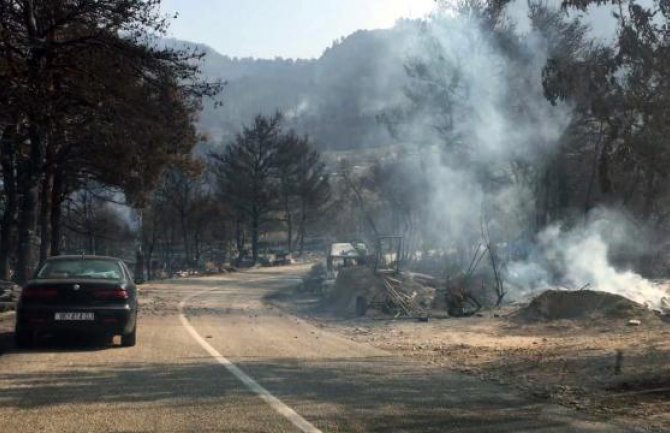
(74, 292)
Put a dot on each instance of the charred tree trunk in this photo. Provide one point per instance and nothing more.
(239, 238)
(604, 170)
(167, 260)
(88, 222)
(152, 245)
(168, 250)
(30, 192)
(301, 230)
(90, 243)
(594, 172)
(196, 247)
(185, 239)
(289, 228)
(650, 196)
(288, 217)
(147, 265)
(542, 200)
(38, 120)
(44, 219)
(301, 241)
(139, 264)
(255, 227)
(149, 257)
(8, 162)
(26, 230)
(56, 212)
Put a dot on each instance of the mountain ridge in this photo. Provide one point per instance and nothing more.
(335, 99)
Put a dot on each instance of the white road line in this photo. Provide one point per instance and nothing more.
(276, 404)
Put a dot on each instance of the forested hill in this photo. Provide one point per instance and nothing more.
(335, 99)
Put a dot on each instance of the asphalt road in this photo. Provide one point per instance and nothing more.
(213, 356)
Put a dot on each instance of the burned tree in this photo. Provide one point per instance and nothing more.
(78, 77)
(303, 184)
(268, 175)
(245, 173)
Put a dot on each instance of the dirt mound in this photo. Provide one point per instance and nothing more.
(582, 304)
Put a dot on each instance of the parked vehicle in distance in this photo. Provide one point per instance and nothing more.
(87, 294)
(282, 259)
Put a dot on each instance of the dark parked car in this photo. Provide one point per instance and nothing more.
(88, 294)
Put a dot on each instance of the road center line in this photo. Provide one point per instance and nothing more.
(276, 404)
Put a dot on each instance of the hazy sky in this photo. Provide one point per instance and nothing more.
(286, 28)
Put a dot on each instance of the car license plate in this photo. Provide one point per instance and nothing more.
(74, 316)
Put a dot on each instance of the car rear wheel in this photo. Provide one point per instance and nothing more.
(23, 338)
(129, 340)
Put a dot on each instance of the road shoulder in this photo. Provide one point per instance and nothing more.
(480, 348)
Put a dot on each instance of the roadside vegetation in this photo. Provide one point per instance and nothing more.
(467, 165)
(87, 102)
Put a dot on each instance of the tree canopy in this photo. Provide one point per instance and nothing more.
(87, 89)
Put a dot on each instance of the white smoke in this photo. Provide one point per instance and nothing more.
(580, 257)
(499, 116)
(495, 112)
(298, 110)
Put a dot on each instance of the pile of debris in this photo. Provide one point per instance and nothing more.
(405, 297)
(315, 280)
(582, 305)
(360, 289)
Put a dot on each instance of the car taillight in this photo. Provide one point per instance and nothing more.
(39, 294)
(111, 294)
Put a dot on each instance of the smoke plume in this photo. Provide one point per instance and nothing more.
(478, 122)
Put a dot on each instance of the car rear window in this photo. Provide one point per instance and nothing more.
(81, 268)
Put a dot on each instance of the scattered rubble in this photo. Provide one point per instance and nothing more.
(403, 295)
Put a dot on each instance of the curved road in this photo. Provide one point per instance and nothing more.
(212, 356)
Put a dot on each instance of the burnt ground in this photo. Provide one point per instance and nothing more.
(570, 362)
